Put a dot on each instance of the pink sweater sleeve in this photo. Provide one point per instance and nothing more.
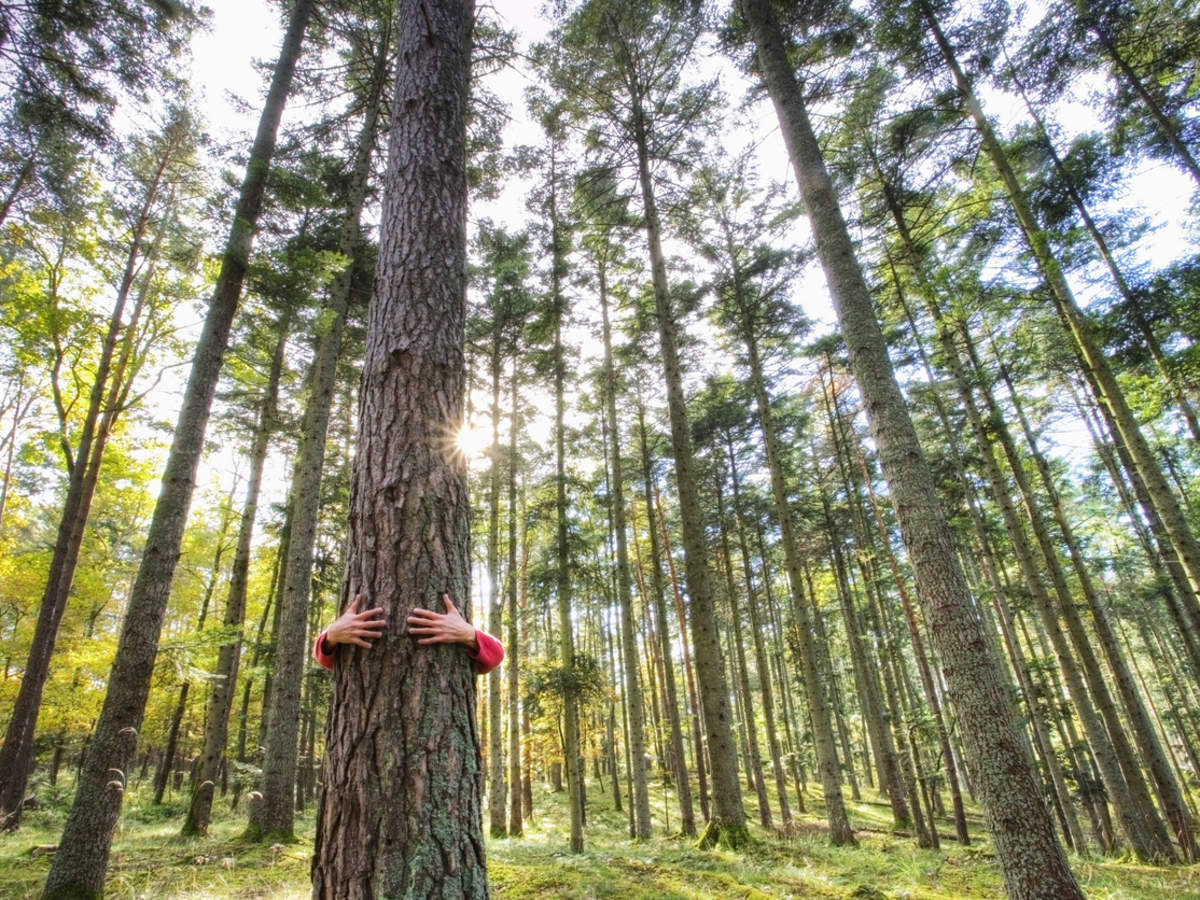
(489, 654)
(486, 658)
(323, 653)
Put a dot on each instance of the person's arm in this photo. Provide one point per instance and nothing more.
(351, 627)
(487, 654)
(451, 628)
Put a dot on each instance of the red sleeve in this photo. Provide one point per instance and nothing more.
(489, 654)
(324, 653)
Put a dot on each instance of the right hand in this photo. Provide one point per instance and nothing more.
(354, 627)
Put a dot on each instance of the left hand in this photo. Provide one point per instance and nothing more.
(441, 628)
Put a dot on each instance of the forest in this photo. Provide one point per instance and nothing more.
(804, 394)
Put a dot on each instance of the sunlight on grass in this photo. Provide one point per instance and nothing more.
(150, 860)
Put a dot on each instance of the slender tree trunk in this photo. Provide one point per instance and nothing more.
(1166, 127)
(566, 640)
(512, 664)
(1129, 298)
(754, 767)
(1032, 860)
(633, 690)
(824, 743)
(729, 820)
(689, 676)
(79, 865)
(497, 788)
(163, 774)
(1088, 351)
(224, 679)
(670, 698)
(273, 818)
(411, 827)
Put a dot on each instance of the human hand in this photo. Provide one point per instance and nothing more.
(354, 627)
(441, 628)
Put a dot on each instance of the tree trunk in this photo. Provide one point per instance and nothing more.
(497, 788)
(79, 865)
(399, 813)
(1089, 354)
(729, 820)
(1032, 860)
(633, 689)
(273, 818)
(512, 669)
(224, 679)
(683, 785)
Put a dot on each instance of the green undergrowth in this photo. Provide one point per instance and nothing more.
(150, 860)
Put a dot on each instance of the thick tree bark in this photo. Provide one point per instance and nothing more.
(399, 813)
(1032, 860)
(79, 865)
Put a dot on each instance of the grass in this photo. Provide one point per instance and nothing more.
(150, 860)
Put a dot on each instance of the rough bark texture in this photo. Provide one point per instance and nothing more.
(79, 865)
(1032, 860)
(400, 805)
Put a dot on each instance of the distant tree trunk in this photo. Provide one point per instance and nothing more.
(1088, 351)
(689, 677)
(824, 744)
(1166, 127)
(224, 679)
(562, 550)
(411, 827)
(163, 774)
(496, 784)
(918, 648)
(1131, 301)
(633, 689)
(1129, 814)
(741, 673)
(273, 818)
(729, 820)
(79, 866)
(679, 769)
(512, 661)
(1032, 860)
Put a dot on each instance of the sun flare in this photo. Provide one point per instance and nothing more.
(472, 440)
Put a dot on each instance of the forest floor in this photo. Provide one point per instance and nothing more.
(151, 860)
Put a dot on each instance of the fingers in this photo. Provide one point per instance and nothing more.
(353, 607)
(449, 603)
